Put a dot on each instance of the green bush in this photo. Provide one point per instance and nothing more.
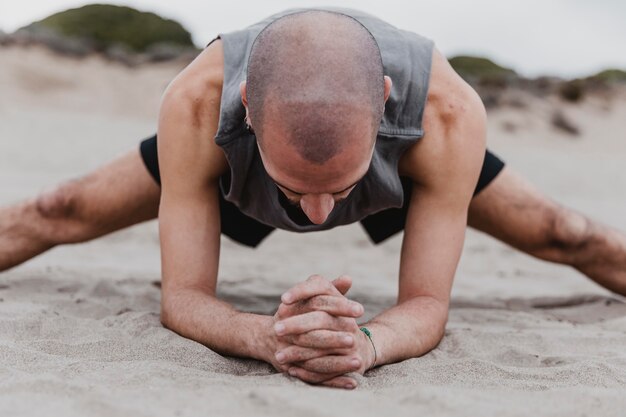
(480, 69)
(610, 76)
(108, 25)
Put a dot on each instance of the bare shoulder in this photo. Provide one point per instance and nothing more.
(454, 130)
(189, 116)
(201, 81)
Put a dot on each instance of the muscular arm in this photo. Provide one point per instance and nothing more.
(189, 222)
(444, 166)
(189, 218)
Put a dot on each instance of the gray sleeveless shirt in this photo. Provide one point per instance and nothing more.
(406, 59)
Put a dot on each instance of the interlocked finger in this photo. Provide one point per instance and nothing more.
(331, 304)
(314, 285)
(311, 377)
(332, 364)
(343, 283)
(341, 382)
(322, 339)
(315, 320)
(292, 354)
(337, 306)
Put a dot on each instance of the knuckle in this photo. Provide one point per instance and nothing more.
(345, 302)
(323, 338)
(355, 363)
(320, 316)
(306, 354)
(348, 324)
(282, 367)
(327, 315)
(310, 376)
(315, 278)
(299, 354)
(298, 324)
(318, 379)
(331, 384)
(320, 367)
(340, 322)
(318, 337)
(346, 277)
(347, 306)
(319, 302)
(345, 339)
(326, 369)
(283, 310)
(301, 340)
(328, 301)
(294, 354)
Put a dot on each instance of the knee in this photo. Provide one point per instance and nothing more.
(59, 214)
(60, 203)
(568, 232)
(569, 228)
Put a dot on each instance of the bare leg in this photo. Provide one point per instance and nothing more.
(117, 195)
(513, 211)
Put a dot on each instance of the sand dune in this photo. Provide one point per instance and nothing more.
(79, 327)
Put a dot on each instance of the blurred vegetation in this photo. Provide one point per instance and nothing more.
(106, 26)
(575, 90)
(490, 80)
(120, 32)
(610, 76)
(572, 91)
(482, 70)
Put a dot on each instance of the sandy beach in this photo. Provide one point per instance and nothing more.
(79, 326)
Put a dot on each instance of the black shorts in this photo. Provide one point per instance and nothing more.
(379, 226)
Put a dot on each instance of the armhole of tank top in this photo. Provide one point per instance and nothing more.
(426, 85)
(222, 138)
(213, 40)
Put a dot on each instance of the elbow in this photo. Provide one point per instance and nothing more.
(166, 317)
(437, 334)
(430, 328)
(177, 306)
(437, 328)
(168, 309)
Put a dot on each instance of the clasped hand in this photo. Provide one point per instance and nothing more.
(315, 336)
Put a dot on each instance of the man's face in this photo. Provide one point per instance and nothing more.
(316, 188)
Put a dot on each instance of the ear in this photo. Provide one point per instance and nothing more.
(388, 85)
(242, 91)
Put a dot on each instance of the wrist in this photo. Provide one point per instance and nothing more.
(369, 352)
(263, 344)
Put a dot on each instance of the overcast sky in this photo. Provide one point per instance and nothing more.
(559, 37)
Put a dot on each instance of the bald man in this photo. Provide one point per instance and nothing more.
(308, 120)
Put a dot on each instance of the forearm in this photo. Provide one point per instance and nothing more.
(408, 330)
(216, 324)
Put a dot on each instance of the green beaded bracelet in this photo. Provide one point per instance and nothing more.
(369, 336)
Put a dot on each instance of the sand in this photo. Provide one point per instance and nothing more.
(79, 326)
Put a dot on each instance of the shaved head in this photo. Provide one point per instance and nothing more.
(316, 77)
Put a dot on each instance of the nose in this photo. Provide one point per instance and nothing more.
(317, 207)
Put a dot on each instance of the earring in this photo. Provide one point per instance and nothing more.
(248, 125)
